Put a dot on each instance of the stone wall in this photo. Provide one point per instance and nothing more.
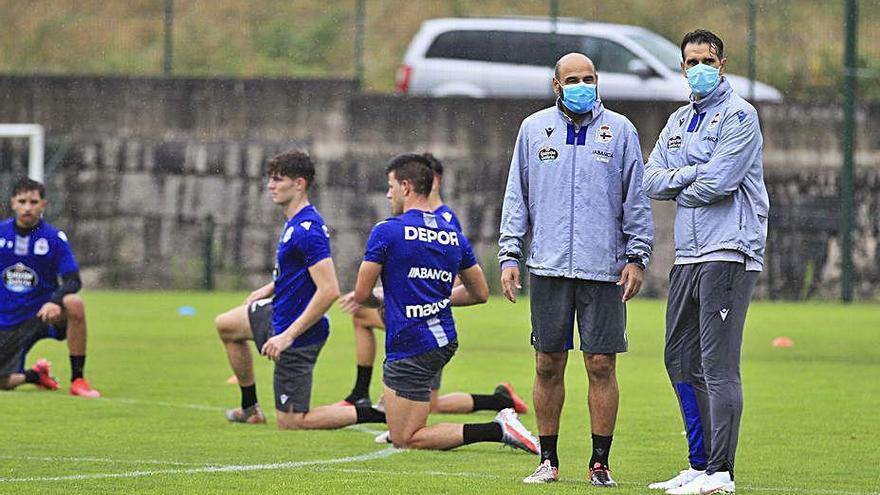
(142, 172)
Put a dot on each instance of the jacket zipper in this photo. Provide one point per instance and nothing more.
(571, 218)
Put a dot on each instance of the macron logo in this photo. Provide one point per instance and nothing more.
(306, 225)
(723, 313)
(442, 237)
(425, 310)
(430, 274)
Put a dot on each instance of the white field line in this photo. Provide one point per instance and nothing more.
(104, 460)
(234, 468)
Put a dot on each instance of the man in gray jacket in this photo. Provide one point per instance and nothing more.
(708, 160)
(575, 184)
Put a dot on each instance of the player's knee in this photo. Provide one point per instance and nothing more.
(74, 308)
(226, 327)
(291, 421)
(5, 383)
(549, 369)
(601, 367)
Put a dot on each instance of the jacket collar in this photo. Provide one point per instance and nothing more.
(718, 95)
(589, 117)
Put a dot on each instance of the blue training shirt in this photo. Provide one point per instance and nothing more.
(30, 265)
(420, 253)
(448, 215)
(304, 242)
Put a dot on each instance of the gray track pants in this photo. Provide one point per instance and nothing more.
(705, 315)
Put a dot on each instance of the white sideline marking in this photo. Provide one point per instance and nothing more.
(380, 454)
(105, 460)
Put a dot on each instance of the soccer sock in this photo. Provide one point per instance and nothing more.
(31, 376)
(548, 449)
(77, 363)
(367, 414)
(362, 384)
(248, 396)
(494, 402)
(483, 432)
(601, 449)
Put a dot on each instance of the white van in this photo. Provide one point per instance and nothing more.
(514, 57)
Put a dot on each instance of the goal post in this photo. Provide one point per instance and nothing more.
(36, 143)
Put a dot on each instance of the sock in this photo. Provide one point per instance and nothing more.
(31, 376)
(494, 402)
(248, 396)
(548, 449)
(362, 384)
(77, 363)
(483, 432)
(601, 449)
(367, 414)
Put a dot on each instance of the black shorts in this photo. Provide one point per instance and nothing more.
(598, 306)
(295, 367)
(414, 377)
(15, 343)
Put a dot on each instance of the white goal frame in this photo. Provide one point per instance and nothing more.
(36, 142)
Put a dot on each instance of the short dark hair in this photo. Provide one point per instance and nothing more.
(293, 163)
(436, 166)
(26, 184)
(703, 37)
(413, 168)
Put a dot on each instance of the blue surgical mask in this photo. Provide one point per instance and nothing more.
(703, 79)
(579, 98)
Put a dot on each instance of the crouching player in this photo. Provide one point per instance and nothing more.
(418, 254)
(286, 317)
(33, 305)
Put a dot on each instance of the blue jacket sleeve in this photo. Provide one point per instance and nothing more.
(515, 210)
(663, 182)
(638, 225)
(739, 145)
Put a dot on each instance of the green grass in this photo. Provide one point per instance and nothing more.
(810, 423)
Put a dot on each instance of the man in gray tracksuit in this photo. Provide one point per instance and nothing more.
(575, 184)
(708, 160)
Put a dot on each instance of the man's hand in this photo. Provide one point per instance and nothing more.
(263, 292)
(631, 280)
(348, 304)
(510, 282)
(49, 312)
(273, 347)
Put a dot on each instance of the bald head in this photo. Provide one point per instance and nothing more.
(573, 62)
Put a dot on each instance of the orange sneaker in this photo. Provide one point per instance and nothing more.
(47, 381)
(82, 388)
(519, 405)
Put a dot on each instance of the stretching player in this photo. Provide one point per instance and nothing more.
(418, 254)
(365, 320)
(286, 317)
(33, 305)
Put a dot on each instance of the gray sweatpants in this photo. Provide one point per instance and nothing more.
(705, 315)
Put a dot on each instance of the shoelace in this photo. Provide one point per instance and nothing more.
(601, 475)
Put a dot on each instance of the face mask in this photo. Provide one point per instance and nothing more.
(703, 79)
(579, 98)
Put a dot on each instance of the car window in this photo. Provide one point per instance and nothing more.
(608, 55)
(666, 51)
(510, 47)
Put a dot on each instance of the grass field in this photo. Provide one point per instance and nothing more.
(810, 423)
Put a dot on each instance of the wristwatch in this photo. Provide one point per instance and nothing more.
(635, 260)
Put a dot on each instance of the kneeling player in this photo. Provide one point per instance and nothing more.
(286, 317)
(366, 320)
(420, 331)
(33, 256)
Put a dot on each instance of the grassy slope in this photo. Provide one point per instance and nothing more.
(810, 410)
(800, 43)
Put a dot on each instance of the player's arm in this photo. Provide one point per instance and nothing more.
(263, 292)
(473, 288)
(637, 223)
(515, 220)
(662, 182)
(739, 145)
(323, 275)
(70, 283)
(368, 275)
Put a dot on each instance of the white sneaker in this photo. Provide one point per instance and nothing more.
(706, 484)
(545, 473)
(383, 438)
(515, 433)
(683, 478)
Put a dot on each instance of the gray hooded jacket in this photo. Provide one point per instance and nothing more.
(578, 190)
(708, 160)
